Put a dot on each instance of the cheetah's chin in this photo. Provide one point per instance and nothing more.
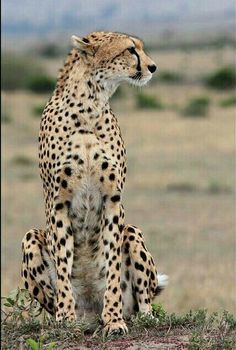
(139, 82)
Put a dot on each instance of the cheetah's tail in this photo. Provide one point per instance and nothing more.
(163, 281)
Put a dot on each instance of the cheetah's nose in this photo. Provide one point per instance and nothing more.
(152, 68)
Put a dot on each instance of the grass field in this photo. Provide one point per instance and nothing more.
(180, 183)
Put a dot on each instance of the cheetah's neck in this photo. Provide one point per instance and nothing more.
(82, 89)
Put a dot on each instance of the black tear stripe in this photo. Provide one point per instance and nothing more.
(138, 58)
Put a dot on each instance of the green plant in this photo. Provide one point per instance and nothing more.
(228, 102)
(145, 101)
(38, 110)
(159, 312)
(196, 107)
(222, 79)
(18, 304)
(17, 70)
(214, 187)
(169, 77)
(41, 84)
(39, 344)
(22, 160)
(5, 118)
(49, 50)
(119, 93)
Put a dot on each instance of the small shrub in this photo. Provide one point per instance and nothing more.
(214, 187)
(22, 160)
(145, 101)
(49, 50)
(41, 84)
(196, 107)
(181, 187)
(228, 102)
(5, 118)
(169, 77)
(38, 345)
(119, 93)
(38, 110)
(17, 70)
(222, 79)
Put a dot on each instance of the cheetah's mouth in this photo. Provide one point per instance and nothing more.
(138, 79)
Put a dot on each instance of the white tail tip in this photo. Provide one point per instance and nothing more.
(162, 280)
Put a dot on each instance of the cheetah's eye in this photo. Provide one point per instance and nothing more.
(131, 49)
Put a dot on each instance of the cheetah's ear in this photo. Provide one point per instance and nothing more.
(82, 46)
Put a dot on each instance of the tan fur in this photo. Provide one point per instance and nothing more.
(87, 259)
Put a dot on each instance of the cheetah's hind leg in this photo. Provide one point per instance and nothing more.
(38, 272)
(140, 282)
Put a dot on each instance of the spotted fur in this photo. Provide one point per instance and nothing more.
(88, 260)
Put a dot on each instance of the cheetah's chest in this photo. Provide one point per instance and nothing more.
(86, 211)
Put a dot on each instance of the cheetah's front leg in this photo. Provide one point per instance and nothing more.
(64, 243)
(112, 314)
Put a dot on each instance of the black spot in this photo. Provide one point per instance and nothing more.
(114, 290)
(112, 177)
(64, 183)
(115, 198)
(139, 267)
(143, 256)
(61, 305)
(123, 286)
(73, 116)
(96, 155)
(63, 241)
(115, 219)
(128, 261)
(127, 275)
(59, 223)
(69, 231)
(28, 236)
(59, 206)
(67, 171)
(139, 280)
(35, 291)
(131, 229)
(104, 165)
(131, 238)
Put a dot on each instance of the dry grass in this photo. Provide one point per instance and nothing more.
(174, 166)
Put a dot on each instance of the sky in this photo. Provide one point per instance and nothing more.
(60, 16)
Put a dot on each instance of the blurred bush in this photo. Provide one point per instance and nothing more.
(169, 77)
(5, 118)
(38, 110)
(41, 84)
(119, 93)
(221, 79)
(228, 102)
(17, 70)
(196, 107)
(22, 160)
(49, 50)
(147, 101)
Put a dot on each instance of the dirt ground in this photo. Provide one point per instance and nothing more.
(179, 189)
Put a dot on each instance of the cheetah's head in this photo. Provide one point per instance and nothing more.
(116, 57)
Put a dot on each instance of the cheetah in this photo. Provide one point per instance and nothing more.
(88, 261)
